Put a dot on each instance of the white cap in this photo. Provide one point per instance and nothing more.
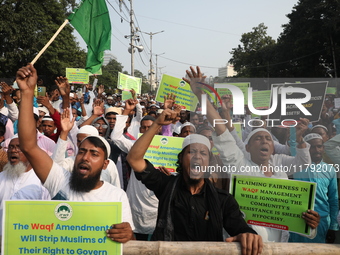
(89, 130)
(186, 124)
(47, 118)
(43, 109)
(256, 131)
(319, 126)
(107, 145)
(312, 136)
(196, 138)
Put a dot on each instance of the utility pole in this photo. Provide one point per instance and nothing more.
(132, 38)
(151, 67)
(156, 67)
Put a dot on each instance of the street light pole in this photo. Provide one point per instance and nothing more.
(156, 67)
(151, 67)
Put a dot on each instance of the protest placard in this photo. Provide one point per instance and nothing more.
(314, 105)
(127, 82)
(331, 90)
(59, 227)
(77, 75)
(274, 203)
(261, 99)
(163, 151)
(242, 86)
(184, 95)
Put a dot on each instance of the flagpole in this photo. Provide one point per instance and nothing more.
(49, 42)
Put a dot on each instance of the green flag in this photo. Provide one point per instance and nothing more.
(92, 21)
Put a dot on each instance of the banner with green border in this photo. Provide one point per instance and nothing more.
(182, 90)
(242, 86)
(127, 82)
(274, 203)
(77, 75)
(163, 151)
(59, 227)
(261, 99)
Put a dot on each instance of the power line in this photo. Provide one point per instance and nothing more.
(117, 11)
(188, 63)
(207, 29)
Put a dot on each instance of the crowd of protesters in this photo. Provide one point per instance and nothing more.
(83, 145)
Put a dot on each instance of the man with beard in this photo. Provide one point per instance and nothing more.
(18, 181)
(84, 183)
(190, 208)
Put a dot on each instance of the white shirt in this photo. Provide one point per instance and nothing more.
(26, 187)
(57, 182)
(144, 203)
(110, 174)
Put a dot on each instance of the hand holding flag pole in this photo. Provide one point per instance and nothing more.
(92, 21)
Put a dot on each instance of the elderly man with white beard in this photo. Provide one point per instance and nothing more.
(18, 180)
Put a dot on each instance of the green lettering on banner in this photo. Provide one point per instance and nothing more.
(59, 227)
(126, 83)
(182, 90)
(274, 203)
(163, 151)
(77, 75)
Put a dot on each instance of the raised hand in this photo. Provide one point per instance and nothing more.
(130, 104)
(301, 128)
(226, 102)
(44, 101)
(65, 121)
(26, 78)
(133, 93)
(167, 117)
(169, 100)
(101, 89)
(6, 89)
(63, 85)
(195, 77)
(98, 107)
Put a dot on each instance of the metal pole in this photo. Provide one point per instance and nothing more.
(151, 34)
(156, 67)
(132, 37)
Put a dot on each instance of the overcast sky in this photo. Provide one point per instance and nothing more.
(195, 32)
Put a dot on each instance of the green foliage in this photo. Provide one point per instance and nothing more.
(26, 26)
(309, 45)
(145, 85)
(309, 40)
(251, 59)
(110, 74)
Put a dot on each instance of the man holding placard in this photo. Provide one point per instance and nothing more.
(260, 145)
(84, 184)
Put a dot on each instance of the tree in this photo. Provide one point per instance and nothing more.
(310, 41)
(109, 78)
(252, 58)
(145, 86)
(26, 26)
